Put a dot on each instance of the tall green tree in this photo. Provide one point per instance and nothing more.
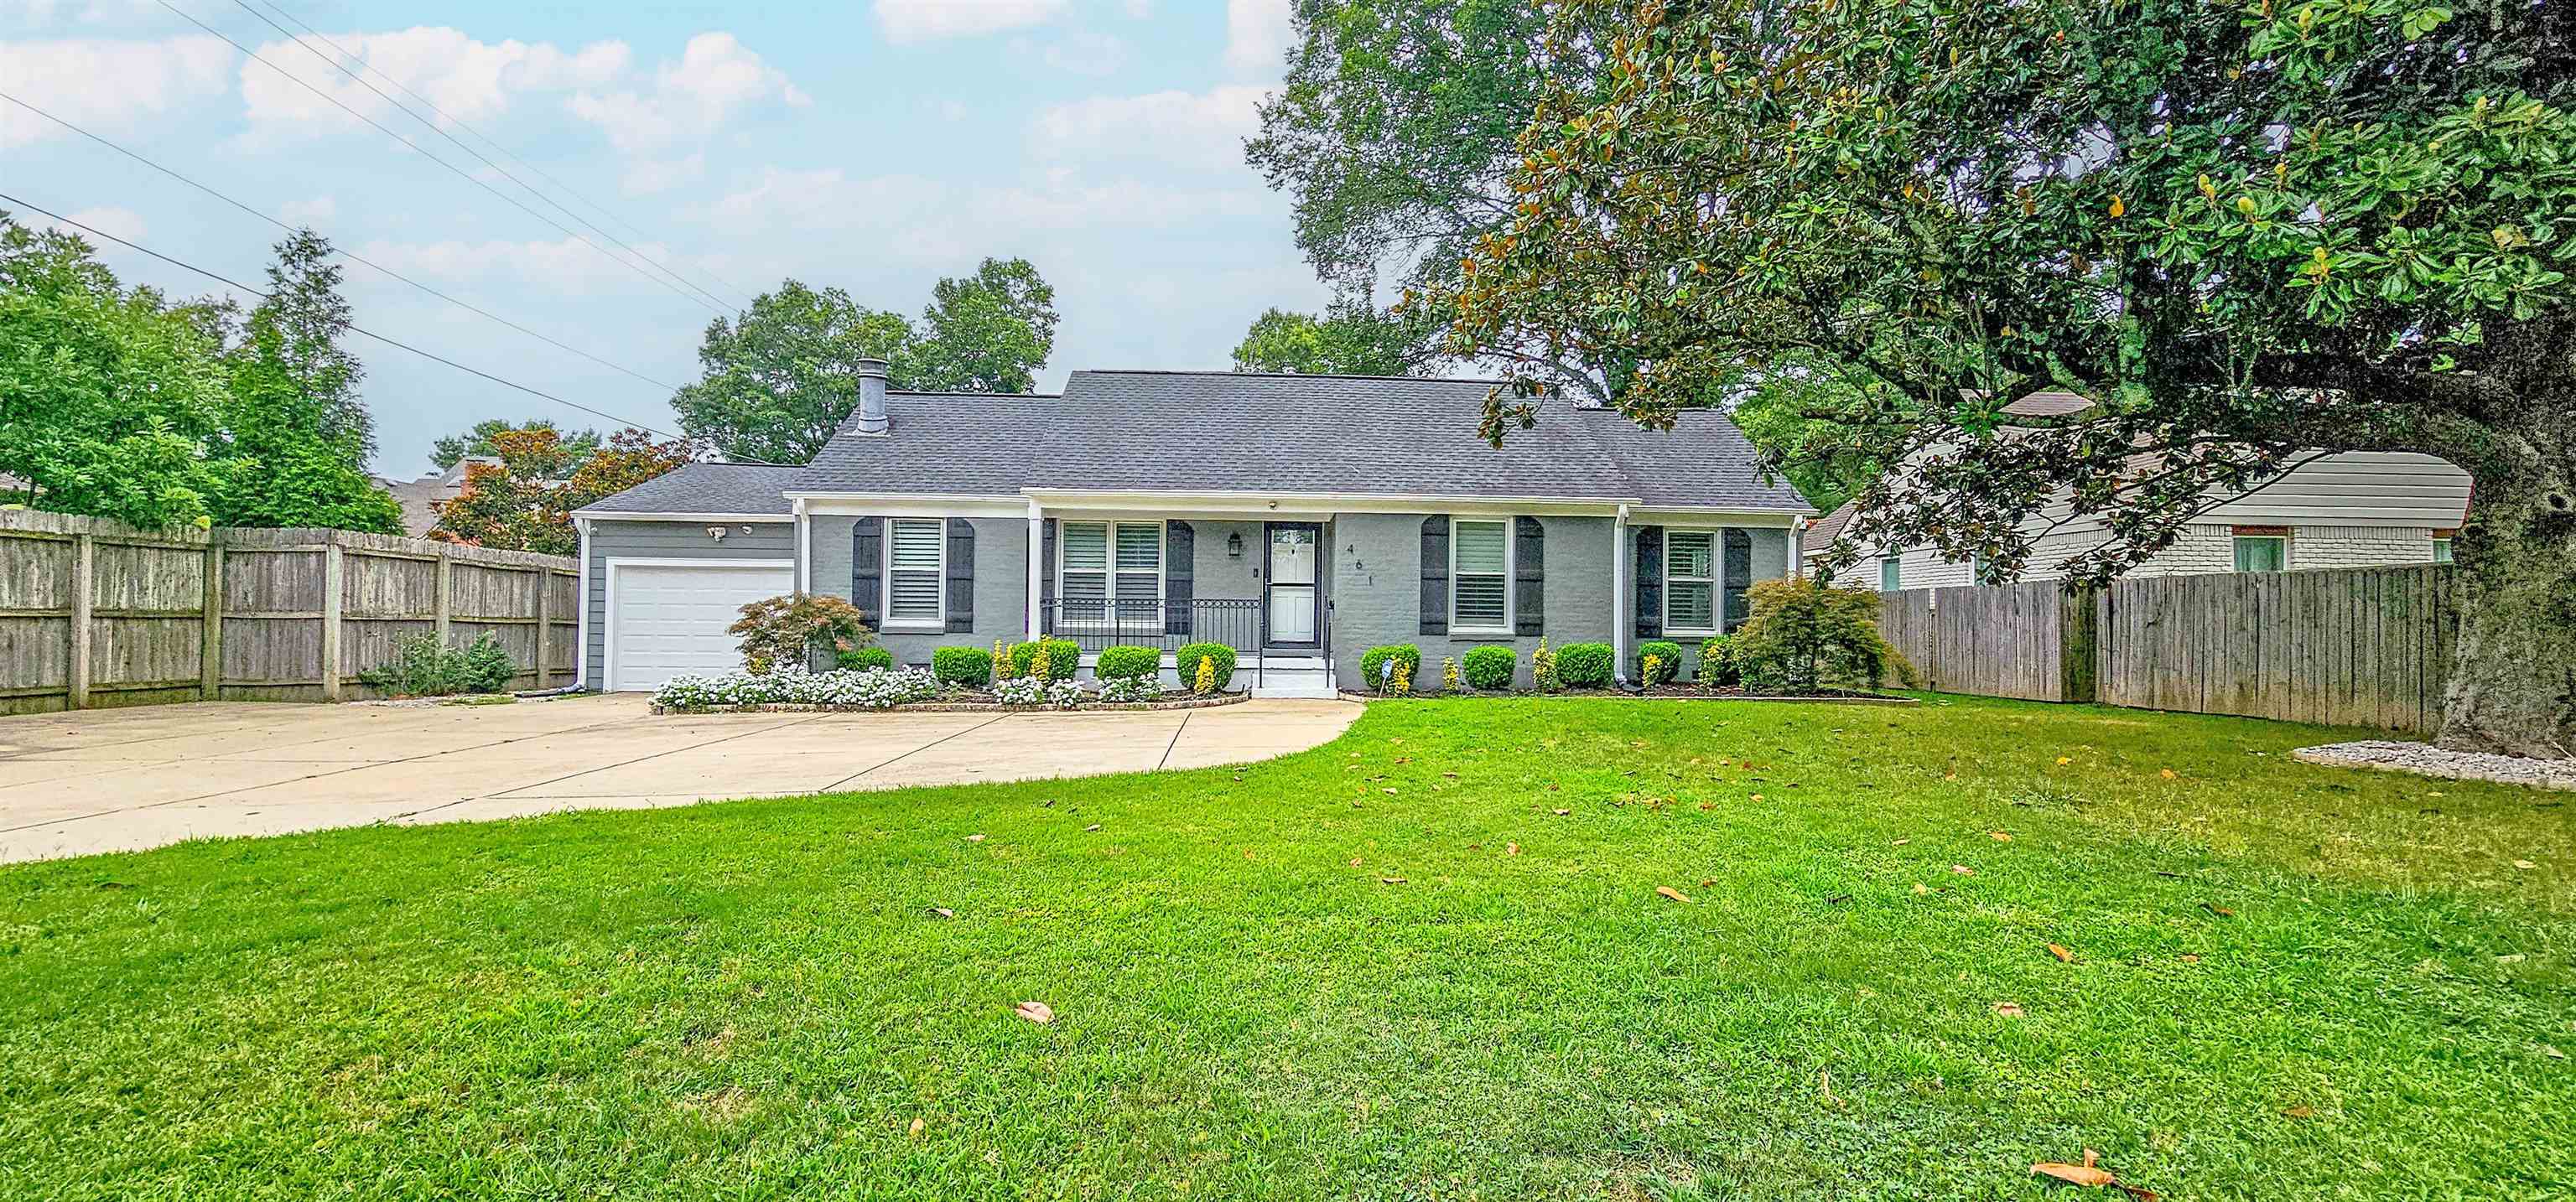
(779, 377)
(2250, 234)
(292, 416)
(109, 397)
(1347, 339)
(570, 447)
(1392, 135)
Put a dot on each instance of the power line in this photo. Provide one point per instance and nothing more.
(496, 144)
(468, 176)
(340, 251)
(485, 159)
(353, 327)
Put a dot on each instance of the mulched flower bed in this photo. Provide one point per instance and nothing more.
(1663, 692)
(978, 703)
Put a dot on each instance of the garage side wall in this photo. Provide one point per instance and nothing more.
(662, 540)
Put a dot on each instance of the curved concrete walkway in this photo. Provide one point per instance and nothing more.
(118, 780)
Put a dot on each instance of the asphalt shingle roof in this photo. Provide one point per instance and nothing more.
(1241, 432)
(759, 488)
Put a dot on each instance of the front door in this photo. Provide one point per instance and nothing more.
(1295, 595)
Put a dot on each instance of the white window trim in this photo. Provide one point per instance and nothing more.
(885, 579)
(1109, 569)
(1716, 580)
(2237, 541)
(1511, 535)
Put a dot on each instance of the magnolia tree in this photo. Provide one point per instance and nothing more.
(2250, 233)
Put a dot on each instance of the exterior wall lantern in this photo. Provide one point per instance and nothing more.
(1234, 545)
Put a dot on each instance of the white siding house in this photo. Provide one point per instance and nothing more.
(2357, 509)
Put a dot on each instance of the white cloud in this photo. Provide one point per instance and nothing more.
(114, 222)
(565, 267)
(1082, 52)
(470, 80)
(907, 21)
(715, 77)
(1257, 33)
(926, 220)
(647, 176)
(107, 87)
(308, 212)
(1189, 131)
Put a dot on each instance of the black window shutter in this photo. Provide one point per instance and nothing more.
(1435, 574)
(1046, 579)
(961, 576)
(1180, 575)
(1739, 576)
(867, 568)
(1650, 582)
(1529, 581)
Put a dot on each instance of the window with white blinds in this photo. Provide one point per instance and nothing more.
(1690, 582)
(916, 562)
(1480, 575)
(1106, 560)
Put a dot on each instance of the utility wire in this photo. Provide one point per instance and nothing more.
(716, 306)
(495, 143)
(486, 160)
(353, 327)
(340, 251)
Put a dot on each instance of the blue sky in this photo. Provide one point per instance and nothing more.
(875, 146)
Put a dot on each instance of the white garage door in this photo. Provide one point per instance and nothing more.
(669, 620)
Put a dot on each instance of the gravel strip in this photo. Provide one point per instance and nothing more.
(2424, 759)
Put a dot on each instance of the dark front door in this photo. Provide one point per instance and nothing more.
(1293, 592)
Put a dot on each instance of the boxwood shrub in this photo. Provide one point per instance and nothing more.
(1220, 657)
(1123, 663)
(1668, 661)
(1064, 658)
(968, 666)
(1373, 663)
(1584, 665)
(1717, 662)
(1491, 668)
(863, 658)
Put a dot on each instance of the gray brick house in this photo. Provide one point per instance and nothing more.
(1300, 519)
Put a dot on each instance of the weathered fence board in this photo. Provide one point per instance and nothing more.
(187, 615)
(2337, 646)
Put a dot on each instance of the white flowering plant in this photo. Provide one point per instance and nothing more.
(1035, 690)
(1131, 688)
(872, 688)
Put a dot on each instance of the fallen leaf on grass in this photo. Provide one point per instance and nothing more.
(2075, 1174)
(2526, 864)
(2008, 1009)
(2298, 1112)
(1389, 792)
(1999, 836)
(2167, 773)
(1674, 894)
(2064, 954)
(1036, 1012)
(1757, 797)
(1511, 849)
(1962, 870)
(2062, 761)
(1563, 813)
(1390, 880)
(1450, 775)
(1920, 889)
(974, 838)
(2219, 910)
(916, 1129)
(943, 911)
(2188, 958)
(1093, 827)
(1903, 842)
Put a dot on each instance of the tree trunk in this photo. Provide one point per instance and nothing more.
(2513, 680)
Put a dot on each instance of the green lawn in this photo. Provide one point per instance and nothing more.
(1330, 976)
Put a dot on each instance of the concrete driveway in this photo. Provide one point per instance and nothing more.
(117, 780)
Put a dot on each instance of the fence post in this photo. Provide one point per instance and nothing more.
(440, 609)
(2079, 635)
(545, 584)
(210, 645)
(84, 567)
(332, 567)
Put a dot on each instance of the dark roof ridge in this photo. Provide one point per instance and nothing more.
(1281, 375)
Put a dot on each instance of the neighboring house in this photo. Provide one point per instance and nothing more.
(1299, 519)
(2356, 509)
(421, 497)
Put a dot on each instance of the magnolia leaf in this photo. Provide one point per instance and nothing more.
(1511, 849)
(943, 911)
(2076, 1174)
(916, 1128)
(1390, 880)
(974, 838)
(2008, 1009)
(1674, 894)
(1093, 827)
(2064, 954)
(1036, 1012)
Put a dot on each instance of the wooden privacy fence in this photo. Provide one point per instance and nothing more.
(2341, 646)
(97, 613)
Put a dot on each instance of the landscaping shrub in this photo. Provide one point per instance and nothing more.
(1491, 668)
(1374, 665)
(1449, 679)
(865, 658)
(1543, 675)
(1668, 661)
(1802, 637)
(788, 631)
(968, 666)
(1219, 659)
(424, 667)
(1131, 688)
(876, 688)
(1585, 665)
(1063, 656)
(1717, 662)
(1029, 690)
(1123, 663)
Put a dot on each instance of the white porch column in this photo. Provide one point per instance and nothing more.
(1037, 567)
(804, 548)
(1621, 596)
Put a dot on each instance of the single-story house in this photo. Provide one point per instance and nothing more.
(1299, 519)
(2350, 510)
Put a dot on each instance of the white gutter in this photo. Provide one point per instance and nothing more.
(581, 621)
(1621, 596)
(1037, 568)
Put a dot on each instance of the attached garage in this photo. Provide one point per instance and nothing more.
(667, 617)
